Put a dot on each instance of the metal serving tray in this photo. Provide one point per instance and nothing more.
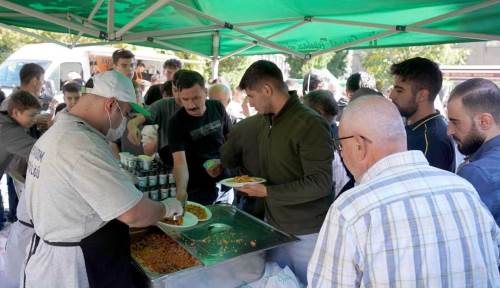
(231, 247)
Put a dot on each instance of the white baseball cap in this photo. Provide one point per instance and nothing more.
(113, 84)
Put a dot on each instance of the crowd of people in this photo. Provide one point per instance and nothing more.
(369, 184)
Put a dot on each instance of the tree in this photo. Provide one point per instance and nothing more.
(334, 62)
(299, 67)
(338, 64)
(378, 61)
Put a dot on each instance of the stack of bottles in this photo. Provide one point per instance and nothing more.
(155, 180)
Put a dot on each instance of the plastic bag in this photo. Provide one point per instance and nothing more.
(276, 277)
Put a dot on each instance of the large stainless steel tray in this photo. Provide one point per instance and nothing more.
(231, 247)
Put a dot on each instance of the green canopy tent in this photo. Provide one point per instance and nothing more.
(219, 29)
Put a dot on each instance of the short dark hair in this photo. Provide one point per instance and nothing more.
(311, 82)
(479, 95)
(2, 96)
(360, 80)
(365, 92)
(324, 99)
(260, 71)
(167, 87)
(71, 86)
(21, 100)
(30, 71)
(188, 79)
(141, 64)
(177, 75)
(122, 54)
(172, 63)
(424, 73)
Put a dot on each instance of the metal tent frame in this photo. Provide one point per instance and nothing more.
(219, 29)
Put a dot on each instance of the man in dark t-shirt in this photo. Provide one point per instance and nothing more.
(195, 134)
(159, 91)
(417, 82)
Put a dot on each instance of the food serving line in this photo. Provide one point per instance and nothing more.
(226, 249)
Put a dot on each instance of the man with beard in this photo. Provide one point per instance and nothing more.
(417, 82)
(474, 114)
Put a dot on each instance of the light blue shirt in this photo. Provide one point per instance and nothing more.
(483, 171)
(407, 224)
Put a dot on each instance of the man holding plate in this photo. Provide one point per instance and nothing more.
(295, 155)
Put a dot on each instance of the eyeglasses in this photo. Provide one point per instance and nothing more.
(338, 146)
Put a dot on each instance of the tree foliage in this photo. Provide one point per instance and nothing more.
(334, 62)
(230, 69)
(379, 61)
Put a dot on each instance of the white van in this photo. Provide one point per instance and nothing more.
(61, 64)
(57, 61)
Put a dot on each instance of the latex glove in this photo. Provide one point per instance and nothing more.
(172, 206)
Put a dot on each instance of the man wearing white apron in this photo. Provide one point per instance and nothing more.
(80, 201)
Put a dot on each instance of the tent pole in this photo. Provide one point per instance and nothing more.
(353, 43)
(108, 43)
(151, 9)
(159, 33)
(238, 51)
(478, 36)
(175, 47)
(181, 36)
(457, 12)
(34, 35)
(86, 22)
(253, 44)
(97, 5)
(215, 55)
(262, 40)
(273, 21)
(111, 20)
(51, 19)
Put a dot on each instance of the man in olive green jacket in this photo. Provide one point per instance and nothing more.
(295, 155)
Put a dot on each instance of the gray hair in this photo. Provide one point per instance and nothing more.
(223, 88)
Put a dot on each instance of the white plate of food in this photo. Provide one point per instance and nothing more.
(240, 181)
(188, 220)
(200, 211)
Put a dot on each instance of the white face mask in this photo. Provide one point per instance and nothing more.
(116, 133)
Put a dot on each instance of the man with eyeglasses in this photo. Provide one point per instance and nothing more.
(81, 203)
(405, 223)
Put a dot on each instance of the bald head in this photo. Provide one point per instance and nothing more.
(378, 132)
(220, 92)
(374, 117)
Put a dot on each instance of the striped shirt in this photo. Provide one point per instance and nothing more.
(407, 224)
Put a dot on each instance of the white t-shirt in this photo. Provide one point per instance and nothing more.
(74, 186)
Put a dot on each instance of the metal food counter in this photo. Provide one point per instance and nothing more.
(228, 250)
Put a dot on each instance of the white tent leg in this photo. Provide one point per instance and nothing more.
(111, 20)
(215, 55)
